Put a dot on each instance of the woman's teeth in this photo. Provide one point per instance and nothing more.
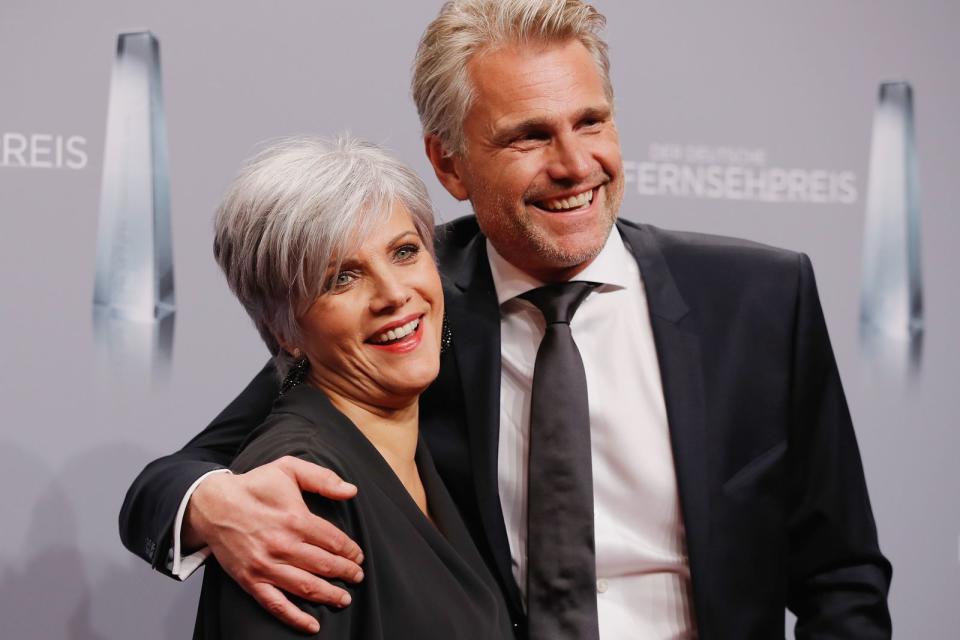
(398, 333)
(573, 202)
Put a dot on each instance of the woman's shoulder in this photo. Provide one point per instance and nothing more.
(302, 424)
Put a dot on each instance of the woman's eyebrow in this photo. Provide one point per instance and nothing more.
(403, 235)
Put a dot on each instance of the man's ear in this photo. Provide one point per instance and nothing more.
(447, 167)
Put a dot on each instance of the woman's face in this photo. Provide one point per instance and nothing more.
(374, 337)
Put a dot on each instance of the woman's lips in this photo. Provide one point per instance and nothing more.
(396, 330)
(407, 343)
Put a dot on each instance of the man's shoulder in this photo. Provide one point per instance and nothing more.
(456, 244)
(453, 237)
(698, 255)
(717, 276)
(705, 246)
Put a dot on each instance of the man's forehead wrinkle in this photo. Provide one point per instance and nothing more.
(537, 100)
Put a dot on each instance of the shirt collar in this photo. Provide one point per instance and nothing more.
(613, 266)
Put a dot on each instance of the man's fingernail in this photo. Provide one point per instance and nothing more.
(358, 576)
(314, 627)
(346, 485)
(345, 600)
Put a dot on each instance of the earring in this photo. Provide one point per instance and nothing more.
(446, 335)
(297, 373)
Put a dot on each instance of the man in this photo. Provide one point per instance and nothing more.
(726, 482)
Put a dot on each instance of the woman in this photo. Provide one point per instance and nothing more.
(329, 249)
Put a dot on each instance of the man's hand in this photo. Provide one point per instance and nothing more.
(262, 534)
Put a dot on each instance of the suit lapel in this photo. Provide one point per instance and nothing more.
(474, 317)
(678, 351)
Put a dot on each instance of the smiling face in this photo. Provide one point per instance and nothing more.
(542, 165)
(374, 338)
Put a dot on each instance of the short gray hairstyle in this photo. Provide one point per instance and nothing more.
(297, 208)
(441, 85)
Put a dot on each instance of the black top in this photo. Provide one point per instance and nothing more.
(421, 580)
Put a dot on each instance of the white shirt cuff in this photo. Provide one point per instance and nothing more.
(183, 566)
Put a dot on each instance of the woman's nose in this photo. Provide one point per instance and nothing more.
(391, 293)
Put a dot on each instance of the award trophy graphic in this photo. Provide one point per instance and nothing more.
(891, 301)
(133, 296)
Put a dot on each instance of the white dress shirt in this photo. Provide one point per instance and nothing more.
(179, 565)
(643, 576)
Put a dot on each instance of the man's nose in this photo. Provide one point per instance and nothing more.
(571, 159)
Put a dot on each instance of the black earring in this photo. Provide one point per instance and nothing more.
(295, 376)
(446, 335)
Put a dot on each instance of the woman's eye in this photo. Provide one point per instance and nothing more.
(407, 251)
(341, 280)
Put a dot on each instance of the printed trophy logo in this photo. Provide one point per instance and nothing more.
(891, 301)
(133, 295)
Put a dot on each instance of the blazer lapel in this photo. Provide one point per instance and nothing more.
(678, 352)
(474, 317)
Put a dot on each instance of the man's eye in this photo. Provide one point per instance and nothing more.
(407, 252)
(534, 136)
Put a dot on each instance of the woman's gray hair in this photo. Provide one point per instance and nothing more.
(298, 207)
(441, 84)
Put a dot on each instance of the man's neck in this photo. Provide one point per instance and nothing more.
(550, 276)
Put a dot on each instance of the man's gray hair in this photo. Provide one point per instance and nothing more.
(298, 207)
(441, 84)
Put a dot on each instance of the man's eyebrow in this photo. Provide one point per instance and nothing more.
(518, 129)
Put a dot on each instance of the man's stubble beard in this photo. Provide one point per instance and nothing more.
(519, 234)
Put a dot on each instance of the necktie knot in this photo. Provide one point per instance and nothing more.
(558, 302)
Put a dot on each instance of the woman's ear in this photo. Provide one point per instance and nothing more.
(294, 351)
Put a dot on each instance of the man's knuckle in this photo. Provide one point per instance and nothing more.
(254, 570)
(309, 589)
(327, 476)
(337, 540)
(323, 566)
(245, 578)
(275, 606)
(293, 521)
(276, 544)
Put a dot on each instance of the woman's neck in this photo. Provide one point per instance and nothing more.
(393, 432)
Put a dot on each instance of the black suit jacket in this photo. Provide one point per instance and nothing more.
(771, 485)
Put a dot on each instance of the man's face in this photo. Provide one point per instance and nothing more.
(542, 164)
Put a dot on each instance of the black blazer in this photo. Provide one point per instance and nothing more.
(771, 486)
(422, 580)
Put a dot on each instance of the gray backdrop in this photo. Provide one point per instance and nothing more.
(763, 84)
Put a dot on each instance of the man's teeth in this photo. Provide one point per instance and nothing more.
(573, 202)
(399, 332)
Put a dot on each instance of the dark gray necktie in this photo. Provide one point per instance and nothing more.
(561, 559)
